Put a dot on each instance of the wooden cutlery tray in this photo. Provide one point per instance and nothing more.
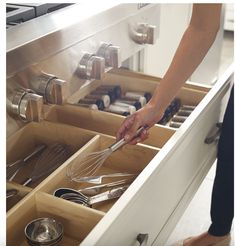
(38, 200)
(86, 131)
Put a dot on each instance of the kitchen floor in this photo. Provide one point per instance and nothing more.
(196, 218)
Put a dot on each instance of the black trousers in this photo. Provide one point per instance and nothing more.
(222, 203)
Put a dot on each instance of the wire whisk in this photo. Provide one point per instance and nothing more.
(51, 158)
(93, 161)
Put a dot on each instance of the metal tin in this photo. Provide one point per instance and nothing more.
(90, 106)
(116, 88)
(137, 94)
(98, 102)
(104, 98)
(136, 104)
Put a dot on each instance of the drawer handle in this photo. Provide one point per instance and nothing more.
(142, 239)
(214, 134)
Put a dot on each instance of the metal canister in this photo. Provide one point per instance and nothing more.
(115, 88)
(137, 94)
(120, 110)
(108, 92)
(104, 98)
(98, 102)
(136, 104)
(140, 99)
(90, 106)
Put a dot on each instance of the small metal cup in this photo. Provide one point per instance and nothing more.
(44, 231)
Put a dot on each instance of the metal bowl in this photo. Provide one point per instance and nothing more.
(44, 231)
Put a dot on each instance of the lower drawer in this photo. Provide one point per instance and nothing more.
(34, 135)
(168, 174)
(109, 123)
(103, 122)
(77, 220)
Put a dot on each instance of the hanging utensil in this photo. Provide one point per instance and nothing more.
(93, 161)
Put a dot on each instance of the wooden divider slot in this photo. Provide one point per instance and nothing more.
(105, 123)
(22, 192)
(130, 159)
(25, 141)
(77, 220)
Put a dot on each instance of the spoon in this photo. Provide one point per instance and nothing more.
(76, 196)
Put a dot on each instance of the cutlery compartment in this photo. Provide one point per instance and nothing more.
(104, 122)
(191, 94)
(77, 220)
(23, 142)
(22, 191)
(129, 159)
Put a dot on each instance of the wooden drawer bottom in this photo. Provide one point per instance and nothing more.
(77, 220)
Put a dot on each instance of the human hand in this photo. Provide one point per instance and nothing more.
(146, 116)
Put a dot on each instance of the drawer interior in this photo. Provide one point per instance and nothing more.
(109, 123)
(86, 131)
(130, 159)
(77, 220)
(104, 122)
(131, 81)
(20, 192)
(28, 138)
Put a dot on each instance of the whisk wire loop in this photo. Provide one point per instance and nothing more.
(93, 161)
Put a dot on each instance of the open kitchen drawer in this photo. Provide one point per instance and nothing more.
(168, 174)
(26, 140)
(103, 122)
(166, 185)
(109, 123)
(77, 220)
(77, 223)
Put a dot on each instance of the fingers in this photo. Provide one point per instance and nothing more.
(132, 128)
(143, 136)
(126, 125)
(129, 127)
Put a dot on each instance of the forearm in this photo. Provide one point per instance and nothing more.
(191, 51)
(193, 47)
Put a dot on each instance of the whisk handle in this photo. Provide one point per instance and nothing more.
(26, 182)
(122, 141)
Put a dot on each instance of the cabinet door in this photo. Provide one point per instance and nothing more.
(158, 196)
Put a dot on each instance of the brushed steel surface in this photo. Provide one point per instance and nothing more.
(55, 43)
(54, 90)
(38, 39)
(144, 33)
(111, 54)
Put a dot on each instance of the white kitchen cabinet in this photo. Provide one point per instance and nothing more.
(169, 174)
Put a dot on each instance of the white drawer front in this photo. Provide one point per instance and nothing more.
(156, 198)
